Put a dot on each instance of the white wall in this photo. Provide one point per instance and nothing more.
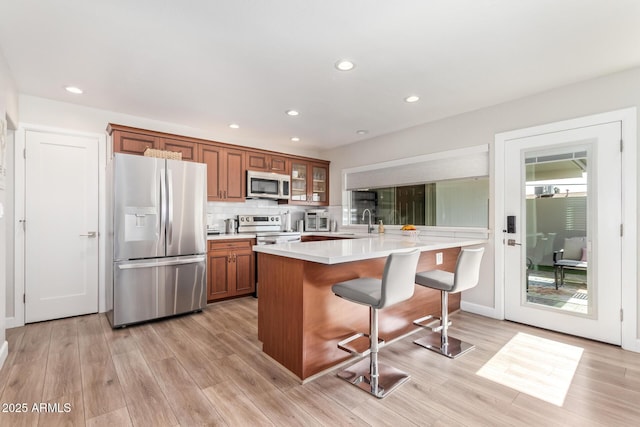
(608, 93)
(9, 112)
(45, 112)
(59, 115)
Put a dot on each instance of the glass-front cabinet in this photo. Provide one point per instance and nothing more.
(309, 183)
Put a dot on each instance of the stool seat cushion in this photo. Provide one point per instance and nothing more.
(365, 290)
(436, 279)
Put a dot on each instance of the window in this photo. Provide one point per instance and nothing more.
(450, 203)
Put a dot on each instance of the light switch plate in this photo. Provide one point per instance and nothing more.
(439, 258)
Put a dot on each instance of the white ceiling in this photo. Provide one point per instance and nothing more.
(209, 63)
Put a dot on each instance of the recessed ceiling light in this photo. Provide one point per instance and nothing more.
(345, 65)
(234, 126)
(362, 132)
(73, 89)
(292, 112)
(295, 139)
(412, 98)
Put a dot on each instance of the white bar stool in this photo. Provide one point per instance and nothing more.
(466, 276)
(397, 285)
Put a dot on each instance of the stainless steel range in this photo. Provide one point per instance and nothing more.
(268, 229)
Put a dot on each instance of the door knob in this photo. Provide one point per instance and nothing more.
(512, 242)
(90, 234)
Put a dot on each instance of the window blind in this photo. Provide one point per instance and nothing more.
(455, 164)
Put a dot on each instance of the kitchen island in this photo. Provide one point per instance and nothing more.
(300, 320)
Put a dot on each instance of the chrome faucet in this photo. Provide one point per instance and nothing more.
(370, 227)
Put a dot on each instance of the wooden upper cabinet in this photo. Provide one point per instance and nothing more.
(211, 155)
(309, 183)
(226, 178)
(227, 164)
(267, 162)
(188, 149)
(134, 143)
(235, 176)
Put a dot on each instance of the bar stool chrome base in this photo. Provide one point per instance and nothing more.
(452, 349)
(389, 378)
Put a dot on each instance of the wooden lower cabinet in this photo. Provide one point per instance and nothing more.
(230, 269)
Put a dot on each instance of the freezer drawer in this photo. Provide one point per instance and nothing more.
(151, 289)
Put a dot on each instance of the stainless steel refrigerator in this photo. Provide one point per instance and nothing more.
(156, 253)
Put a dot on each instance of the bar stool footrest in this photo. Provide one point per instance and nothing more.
(389, 378)
(435, 325)
(343, 345)
(452, 349)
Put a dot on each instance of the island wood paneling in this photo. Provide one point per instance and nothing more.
(300, 320)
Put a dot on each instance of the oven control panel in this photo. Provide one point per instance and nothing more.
(259, 220)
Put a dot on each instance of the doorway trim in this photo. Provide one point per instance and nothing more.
(628, 119)
(19, 213)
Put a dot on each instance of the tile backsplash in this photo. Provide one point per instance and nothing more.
(217, 212)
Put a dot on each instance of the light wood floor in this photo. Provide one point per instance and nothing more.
(207, 369)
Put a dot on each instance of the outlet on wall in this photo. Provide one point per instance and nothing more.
(439, 258)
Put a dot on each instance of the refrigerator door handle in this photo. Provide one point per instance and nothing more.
(163, 203)
(182, 261)
(169, 207)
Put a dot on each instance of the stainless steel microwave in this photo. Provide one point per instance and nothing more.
(268, 185)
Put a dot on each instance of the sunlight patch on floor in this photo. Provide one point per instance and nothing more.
(536, 366)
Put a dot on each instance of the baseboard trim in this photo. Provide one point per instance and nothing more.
(635, 346)
(482, 310)
(12, 322)
(4, 352)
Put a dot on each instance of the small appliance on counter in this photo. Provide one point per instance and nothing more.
(316, 220)
(230, 226)
(286, 221)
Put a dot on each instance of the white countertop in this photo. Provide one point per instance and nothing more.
(362, 247)
(223, 236)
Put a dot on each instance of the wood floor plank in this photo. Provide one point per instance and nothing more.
(63, 376)
(91, 340)
(150, 343)
(235, 407)
(119, 417)
(35, 342)
(24, 386)
(205, 340)
(322, 408)
(146, 403)
(263, 364)
(100, 383)
(189, 404)
(67, 410)
(203, 372)
(119, 340)
(102, 391)
(209, 369)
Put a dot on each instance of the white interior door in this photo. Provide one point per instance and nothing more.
(537, 189)
(61, 234)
